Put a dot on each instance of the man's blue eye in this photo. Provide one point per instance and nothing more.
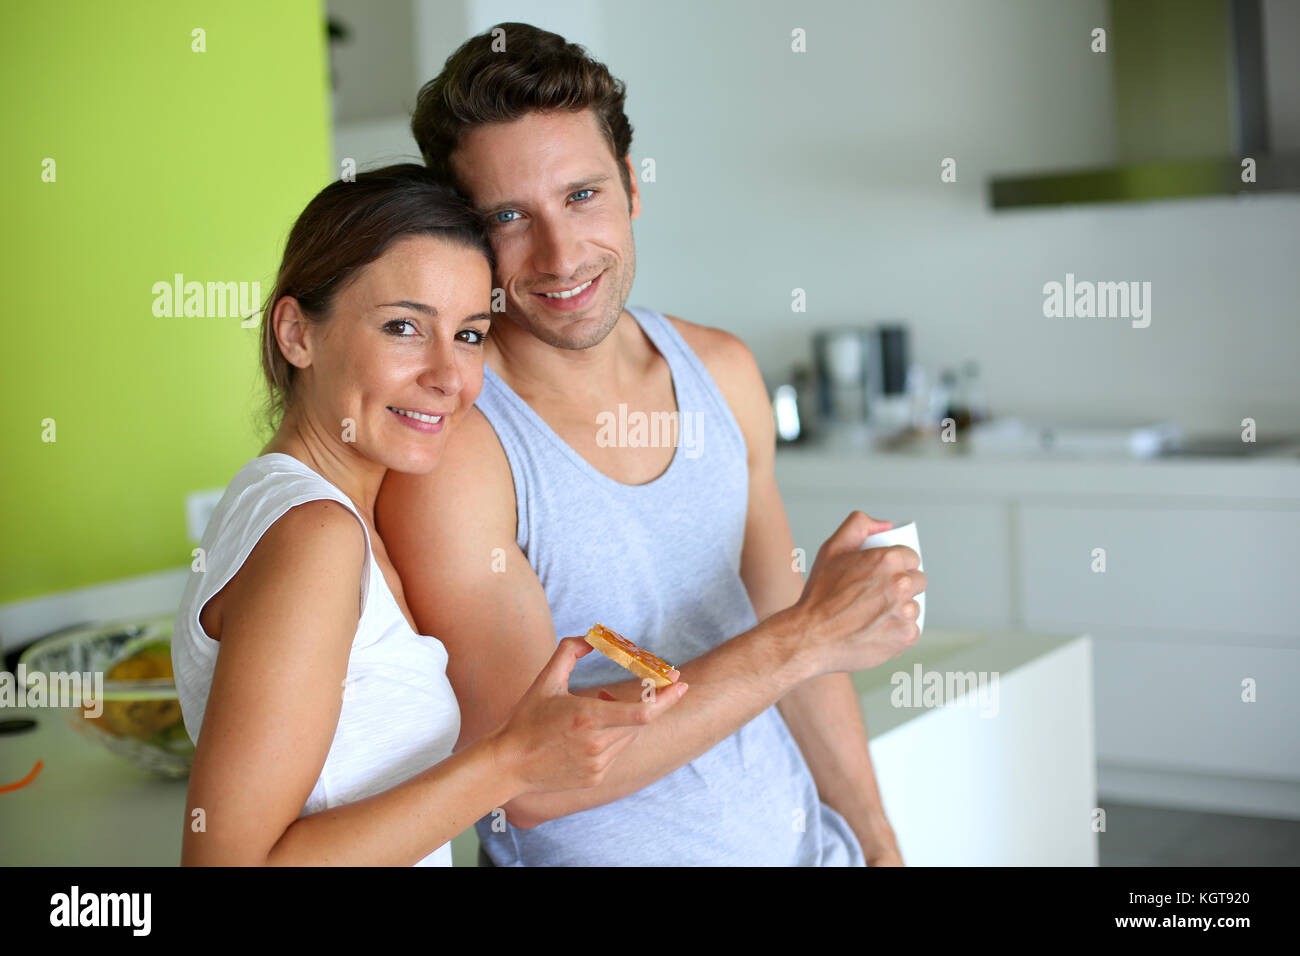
(579, 193)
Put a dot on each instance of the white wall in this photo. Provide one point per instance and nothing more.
(578, 21)
(375, 67)
(820, 171)
(372, 118)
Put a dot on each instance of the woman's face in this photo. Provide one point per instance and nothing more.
(404, 339)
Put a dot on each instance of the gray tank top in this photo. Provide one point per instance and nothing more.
(660, 563)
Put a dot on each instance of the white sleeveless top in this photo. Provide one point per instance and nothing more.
(399, 714)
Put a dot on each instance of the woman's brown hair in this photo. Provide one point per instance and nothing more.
(348, 225)
(510, 70)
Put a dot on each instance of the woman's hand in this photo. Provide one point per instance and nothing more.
(554, 740)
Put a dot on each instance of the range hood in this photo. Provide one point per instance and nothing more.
(1192, 103)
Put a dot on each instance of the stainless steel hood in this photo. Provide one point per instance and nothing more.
(1192, 104)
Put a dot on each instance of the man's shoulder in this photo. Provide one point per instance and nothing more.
(735, 371)
(473, 476)
(714, 347)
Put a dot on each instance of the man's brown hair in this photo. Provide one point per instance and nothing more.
(504, 73)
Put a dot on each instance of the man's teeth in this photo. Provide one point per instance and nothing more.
(571, 293)
(431, 419)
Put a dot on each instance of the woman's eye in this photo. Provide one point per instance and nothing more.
(475, 336)
(395, 327)
(498, 216)
(583, 194)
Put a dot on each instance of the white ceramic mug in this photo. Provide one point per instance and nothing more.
(905, 534)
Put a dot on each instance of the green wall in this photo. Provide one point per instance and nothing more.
(167, 161)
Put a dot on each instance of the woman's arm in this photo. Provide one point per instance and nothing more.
(404, 824)
(288, 619)
(287, 622)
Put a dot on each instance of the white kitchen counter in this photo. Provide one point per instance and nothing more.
(1011, 788)
(1016, 787)
(947, 468)
(87, 806)
(1182, 570)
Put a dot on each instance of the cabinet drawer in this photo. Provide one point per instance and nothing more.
(1209, 571)
(1179, 706)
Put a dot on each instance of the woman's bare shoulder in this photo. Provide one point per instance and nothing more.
(319, 540)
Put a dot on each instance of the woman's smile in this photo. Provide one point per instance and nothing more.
(421, 420)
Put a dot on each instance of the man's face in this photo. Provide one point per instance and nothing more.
(559, 220)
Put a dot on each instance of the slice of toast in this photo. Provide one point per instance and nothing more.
(622, 651)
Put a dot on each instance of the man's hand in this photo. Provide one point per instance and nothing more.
(857, 609)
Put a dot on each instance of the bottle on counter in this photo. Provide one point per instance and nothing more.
(793, 407)
(973, 393)
(918, 398)
(951, 400)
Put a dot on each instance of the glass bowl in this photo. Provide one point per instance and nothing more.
(141, 715)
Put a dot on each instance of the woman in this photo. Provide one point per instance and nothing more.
(324, 724)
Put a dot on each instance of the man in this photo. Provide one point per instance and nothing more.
(541, 521)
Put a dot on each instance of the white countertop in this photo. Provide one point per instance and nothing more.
(951, 468)
(88, 807)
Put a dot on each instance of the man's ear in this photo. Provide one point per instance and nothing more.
(634, 198)
(290, 327)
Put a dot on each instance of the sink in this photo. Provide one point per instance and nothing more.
(1019, 438)
(1168, 441)
(1232, 446)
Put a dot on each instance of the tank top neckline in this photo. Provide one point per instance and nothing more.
(586, 467)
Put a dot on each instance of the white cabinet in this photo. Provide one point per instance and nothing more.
(1182, 570)
(1200, 593)
(963, 788)
(1181, 707)
(1178, 615)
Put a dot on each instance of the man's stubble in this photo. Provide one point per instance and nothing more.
(592, 335)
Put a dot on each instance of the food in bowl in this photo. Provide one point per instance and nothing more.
(138, 716)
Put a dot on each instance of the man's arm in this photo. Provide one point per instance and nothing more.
(823, 713)
(451, 536)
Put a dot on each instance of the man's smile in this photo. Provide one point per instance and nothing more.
(571, 299)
